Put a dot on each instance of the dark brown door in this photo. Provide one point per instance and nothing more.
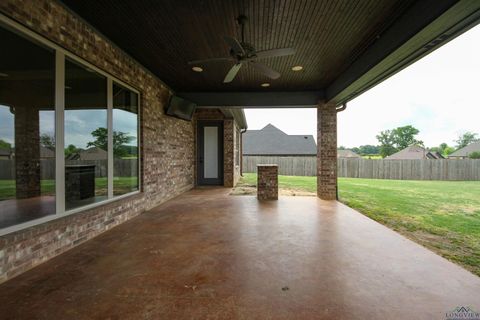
(210, 152)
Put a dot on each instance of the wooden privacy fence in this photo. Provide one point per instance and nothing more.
(287, 166)
(447, 169)
(122, 168)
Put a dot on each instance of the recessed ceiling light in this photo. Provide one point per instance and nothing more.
(266, 84)
(68, 87)
(197, 69)
(297, 68)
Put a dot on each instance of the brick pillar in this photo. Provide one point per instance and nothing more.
(327, 151)
(27, 152)
(267, 182)
(228, 153)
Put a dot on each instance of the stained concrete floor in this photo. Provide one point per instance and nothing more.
(208, 255)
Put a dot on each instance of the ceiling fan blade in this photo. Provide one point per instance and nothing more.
(210, 60)
(269, 72)
(274, 53)
(232, 73)
(235, 45)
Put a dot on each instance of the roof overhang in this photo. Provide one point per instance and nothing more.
(419, 28)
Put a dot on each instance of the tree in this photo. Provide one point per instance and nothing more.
(443, 149)
(119, 139)
(71, 149)
(5, 145)
(397, 139)
(466, 138)
(342, 148)
(47, 141)
(387, 143)
(368, 149)
(474, 155)
(448, 150)
(405, 136)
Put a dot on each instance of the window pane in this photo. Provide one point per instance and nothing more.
(27, 131)
(125, 140)
(85, 136)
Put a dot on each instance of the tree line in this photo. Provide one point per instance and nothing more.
(394, 140)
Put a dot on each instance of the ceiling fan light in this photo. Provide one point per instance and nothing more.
(197, 69)
(297, 68)
(265, 85)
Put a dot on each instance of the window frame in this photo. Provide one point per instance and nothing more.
(60, 56)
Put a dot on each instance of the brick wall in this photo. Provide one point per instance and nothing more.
(267, 182)
(327, 151)
(167, 144)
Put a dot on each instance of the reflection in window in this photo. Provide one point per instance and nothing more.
(86, 138)
(27, 144)
(125, 140)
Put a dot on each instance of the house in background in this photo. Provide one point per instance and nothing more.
(295, 155)
(271, 141)
(414, 153)
(93, 153)
(6, 154)
(347, 154)
(464, 152)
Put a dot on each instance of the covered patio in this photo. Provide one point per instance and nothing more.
(133, 232)
(209, 255)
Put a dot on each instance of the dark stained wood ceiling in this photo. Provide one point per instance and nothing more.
(164, 35)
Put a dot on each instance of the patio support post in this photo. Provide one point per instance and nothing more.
(327, 151)
(27, 152)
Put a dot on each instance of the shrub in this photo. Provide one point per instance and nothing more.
(474, 155)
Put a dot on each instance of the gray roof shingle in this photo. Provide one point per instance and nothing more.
(414, 153)
(272, 141)
(465, 151)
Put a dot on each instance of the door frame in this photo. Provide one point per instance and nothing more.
(201, 180)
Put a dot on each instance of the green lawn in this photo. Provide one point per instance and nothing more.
(444, 216)
(121, 185)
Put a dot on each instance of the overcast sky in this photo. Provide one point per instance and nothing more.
(439, 95)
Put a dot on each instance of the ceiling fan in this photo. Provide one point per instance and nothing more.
(243, 53)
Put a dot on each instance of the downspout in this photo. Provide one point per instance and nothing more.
(342, 107)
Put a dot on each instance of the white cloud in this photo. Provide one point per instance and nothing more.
(438, 95)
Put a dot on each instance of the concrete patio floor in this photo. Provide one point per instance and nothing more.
(209, 255)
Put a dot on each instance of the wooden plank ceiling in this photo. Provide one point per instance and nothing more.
(164, 35)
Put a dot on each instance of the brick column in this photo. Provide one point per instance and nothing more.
(267, 182)
(228, 153)
(327, 151)
(27, 152)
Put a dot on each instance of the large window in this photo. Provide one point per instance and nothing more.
(125, 140)
(27, 130)
(86, 136)
(69, 133)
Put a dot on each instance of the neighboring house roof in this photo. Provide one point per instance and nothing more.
(46, 153)
(5, 152)
(93, 153)
(272, 141)
(414, 153)
(347, 154)
(465, 151)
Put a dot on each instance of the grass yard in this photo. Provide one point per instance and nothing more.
(121, 185)
(444, 216)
